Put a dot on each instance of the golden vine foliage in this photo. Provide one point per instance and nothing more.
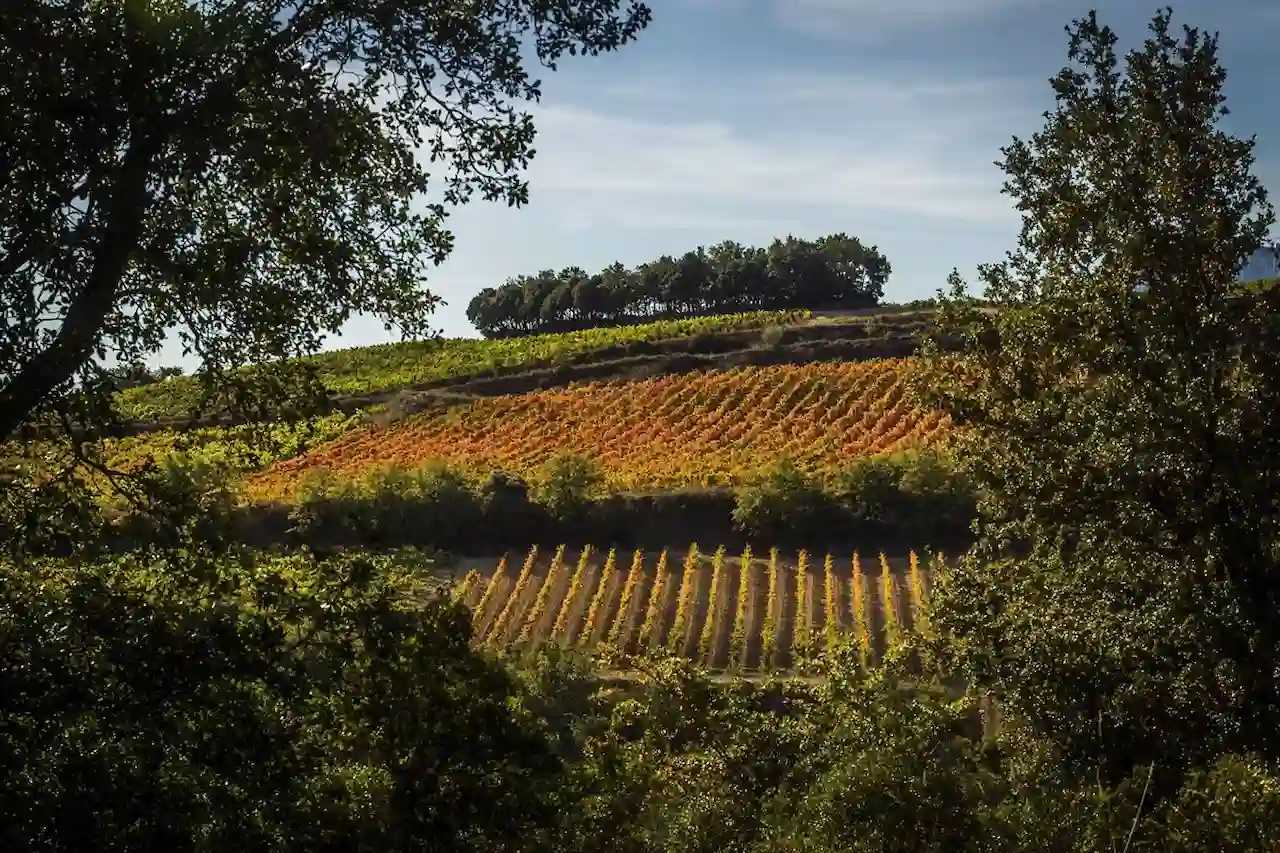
(709, 428)
(463, 590)
(544, 594)
(773, 613)
(886, 613)
(635, 575)
(595, 611)
(706, 646)
(892, 625)
(491, 589)
(800, 632)
(685, 603)
(831, 601)
(499, 629)
(652, 618)
(561, 626)
(860, 612)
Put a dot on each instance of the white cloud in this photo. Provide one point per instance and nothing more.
(872, 18)
(767, 147)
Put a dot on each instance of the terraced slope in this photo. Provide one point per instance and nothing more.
(742, 613)
(366, 370)
(696, 429)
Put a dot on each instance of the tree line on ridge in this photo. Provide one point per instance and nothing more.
(836, 271)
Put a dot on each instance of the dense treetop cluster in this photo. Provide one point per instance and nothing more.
(836, 271)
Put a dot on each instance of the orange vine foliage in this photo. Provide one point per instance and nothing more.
(710, 428)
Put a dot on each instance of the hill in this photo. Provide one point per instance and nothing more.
(359, 372)
(361, 378)
(708, 428)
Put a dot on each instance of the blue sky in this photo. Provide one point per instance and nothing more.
(751, 119)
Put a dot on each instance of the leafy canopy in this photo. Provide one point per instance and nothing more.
(1119, 404)
(249, 172)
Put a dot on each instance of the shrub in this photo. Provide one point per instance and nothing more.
(771, 336)
(430, 505)
(913, 494)
(870, 490)
(783, 504)
(569, 484)
(282, 705)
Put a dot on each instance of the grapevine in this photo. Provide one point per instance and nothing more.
(800, 638)
(499, 630)
(717, 428)
(622, 622)
(860, 613)
(706, 648)
(738, 643)
(773, 611)
(561, 629)
(892, 627)
(685, 604)
(535, 613)
(653, 618)
(595, 613)
(463, 591)
(490, 590)
(832, 601)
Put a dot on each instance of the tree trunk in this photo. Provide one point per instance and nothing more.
(123, 217)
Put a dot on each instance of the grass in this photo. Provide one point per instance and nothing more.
(366, 370)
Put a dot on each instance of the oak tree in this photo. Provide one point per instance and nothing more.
(1117, 410)
(250, 173)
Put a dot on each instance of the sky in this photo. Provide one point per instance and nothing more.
(754, 119)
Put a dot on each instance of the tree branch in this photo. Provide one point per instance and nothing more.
(125, 213)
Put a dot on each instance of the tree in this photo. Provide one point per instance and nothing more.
(832, 271)
(276, 704)
(249, 172)
(1123, 593)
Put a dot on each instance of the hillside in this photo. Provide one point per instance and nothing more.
(363, 377)
(360, 372)
(710, 428)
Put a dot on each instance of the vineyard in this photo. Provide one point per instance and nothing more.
(235, 450)
(700, 429)
(741, 613)
(362, 370)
